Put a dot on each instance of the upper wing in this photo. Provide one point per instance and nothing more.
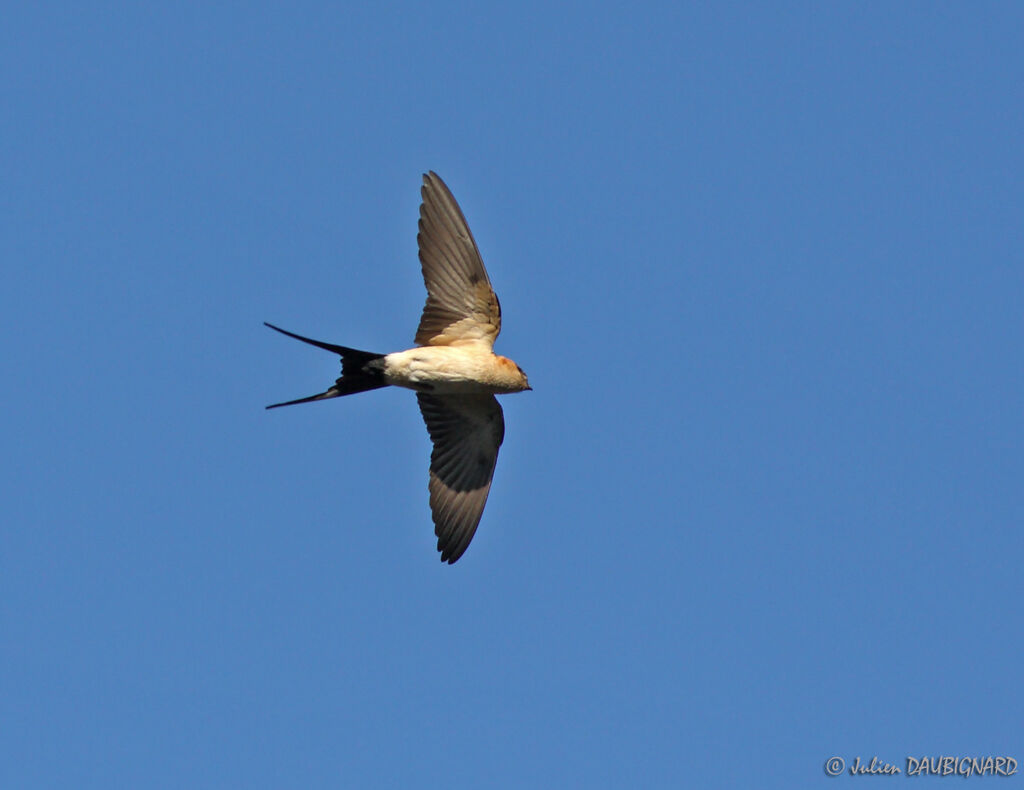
(461, 308)
(467, 431)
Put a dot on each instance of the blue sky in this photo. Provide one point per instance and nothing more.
(763, 266)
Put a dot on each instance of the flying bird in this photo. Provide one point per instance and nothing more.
(453, 369)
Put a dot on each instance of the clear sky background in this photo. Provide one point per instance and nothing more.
(763, 265)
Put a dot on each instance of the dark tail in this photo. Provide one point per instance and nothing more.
(360, 370)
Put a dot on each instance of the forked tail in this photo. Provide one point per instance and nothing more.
(360, 370)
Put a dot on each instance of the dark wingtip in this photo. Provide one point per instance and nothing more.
(451, 554)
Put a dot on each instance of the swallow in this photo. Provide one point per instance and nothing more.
(453, 369)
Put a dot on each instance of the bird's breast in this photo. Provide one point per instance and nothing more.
(448, 369)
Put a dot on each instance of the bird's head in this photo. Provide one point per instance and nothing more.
(513, 378)
(525, 382)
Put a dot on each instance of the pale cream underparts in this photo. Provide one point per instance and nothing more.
(454, 369)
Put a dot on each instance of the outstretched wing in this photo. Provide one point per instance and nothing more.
(467, 431)
(462, 308)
